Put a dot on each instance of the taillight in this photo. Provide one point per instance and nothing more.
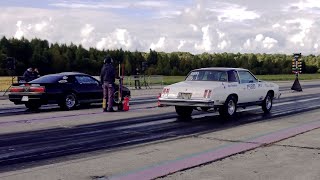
(37, 89)
(16, 89)
(165, 91)
(207, 93)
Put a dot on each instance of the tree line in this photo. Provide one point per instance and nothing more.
(54, 58)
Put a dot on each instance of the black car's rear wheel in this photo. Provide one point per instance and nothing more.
(33, 106)
(69, 101)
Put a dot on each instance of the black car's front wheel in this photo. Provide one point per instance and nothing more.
(69, 102)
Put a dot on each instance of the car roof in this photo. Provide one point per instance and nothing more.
(221, 68)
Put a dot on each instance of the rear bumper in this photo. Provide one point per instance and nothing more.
(32, 98)
(184, 102)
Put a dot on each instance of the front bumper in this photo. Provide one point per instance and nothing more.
(185, 102)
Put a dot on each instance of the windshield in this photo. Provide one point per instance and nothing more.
(47, 79)
(207, 75)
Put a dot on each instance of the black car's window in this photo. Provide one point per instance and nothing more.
(246, 77)
(47, 79)
(207, 75)
(86, 80)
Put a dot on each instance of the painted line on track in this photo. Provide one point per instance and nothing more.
(194, 160)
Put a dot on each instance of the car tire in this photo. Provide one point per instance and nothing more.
(69, 102)
(33, 106)
(229, 109)
(267, 103)
(184, 111)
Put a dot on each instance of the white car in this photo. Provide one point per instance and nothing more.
(223, 89)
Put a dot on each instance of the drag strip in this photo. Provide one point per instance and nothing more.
(52, 143)
(18, 110)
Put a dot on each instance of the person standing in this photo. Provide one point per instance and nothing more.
(137, 79)
(28, 75)
(107, 77)
(36, 73)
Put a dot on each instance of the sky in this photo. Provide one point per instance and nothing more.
(195, 26)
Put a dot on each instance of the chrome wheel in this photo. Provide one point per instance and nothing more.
(70, 101)
(267, 103)
(231, 107)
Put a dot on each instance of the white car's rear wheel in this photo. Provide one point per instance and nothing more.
(267, 103)
(229, 108)
(184, 111)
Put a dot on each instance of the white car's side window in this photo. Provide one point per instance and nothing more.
(246, 77)
(233, 76)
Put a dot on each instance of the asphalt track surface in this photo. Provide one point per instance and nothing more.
(20, 149)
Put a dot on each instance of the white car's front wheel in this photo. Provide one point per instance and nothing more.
(229, 108)
(267, 103)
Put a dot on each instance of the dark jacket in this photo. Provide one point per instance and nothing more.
(28, 76)
(108, 73)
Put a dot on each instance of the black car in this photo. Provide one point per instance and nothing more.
(67, 89)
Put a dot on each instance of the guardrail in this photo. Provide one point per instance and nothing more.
(147, 82)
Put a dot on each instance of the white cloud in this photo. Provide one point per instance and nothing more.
(306, 4)
(40, 26)
(102, 44)
(92, 5)
(182, 42)
(194, 27)
(277, 25)
(315, 46)
(269, 42)
(19, 33)
(152, 4)
(206, 43)
(221, 34)
(159, 45)
(86, 34)
(259, 37)
(223, 44)
(234, 12)
(86, 31)
(120, 38)
(260, 43)
(304, 25)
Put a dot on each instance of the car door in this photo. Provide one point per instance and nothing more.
(248, 89)
(89, 88)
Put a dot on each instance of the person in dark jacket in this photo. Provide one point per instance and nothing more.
(107, 77)
(36, 73)
(28, 75)
(137, 79)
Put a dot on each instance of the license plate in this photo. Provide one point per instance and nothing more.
(25, 98)
(185, 95)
